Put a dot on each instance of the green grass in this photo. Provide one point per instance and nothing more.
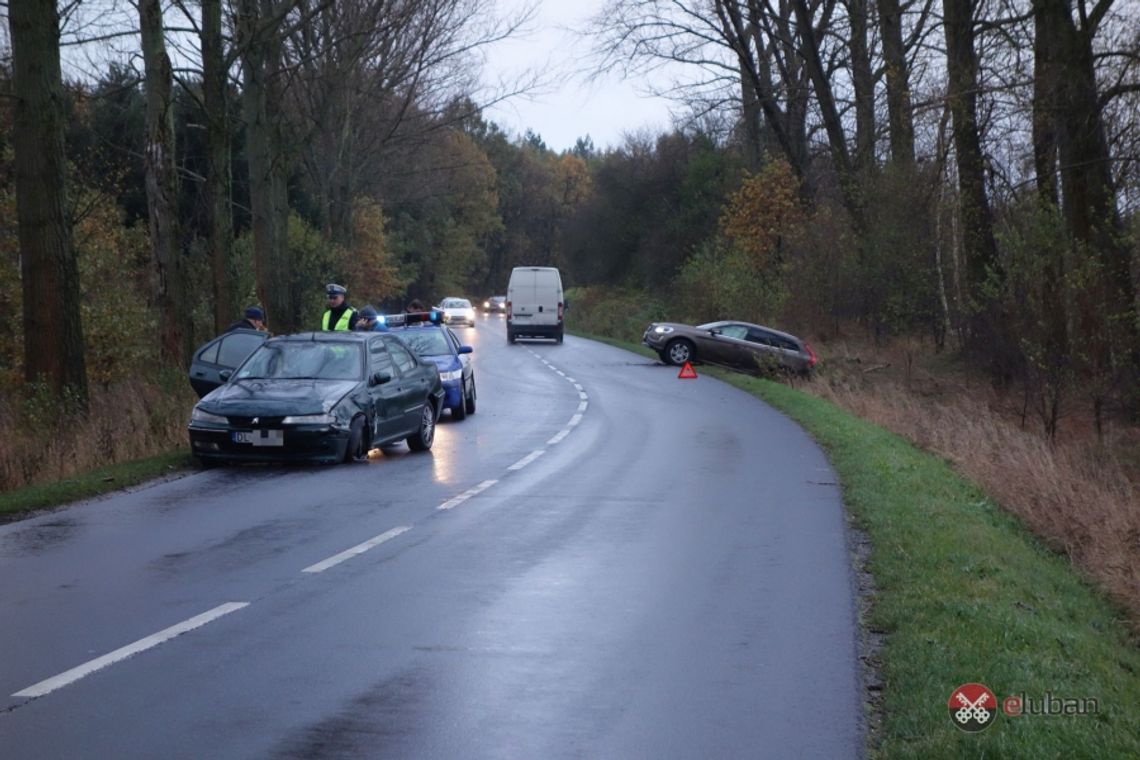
(964, 594)
(94, 483)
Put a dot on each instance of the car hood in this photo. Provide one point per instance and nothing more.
(245, 398)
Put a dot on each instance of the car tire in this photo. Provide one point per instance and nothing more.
(678, 351)
(459, 411)
(206, 463)
(510, 337)
(469, 402)
(424, 437)
(559, 338)
(356, 450)
(664, 356)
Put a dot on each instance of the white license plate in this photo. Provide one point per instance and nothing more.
(260, 437)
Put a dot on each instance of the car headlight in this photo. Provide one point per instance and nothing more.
(199, 415)
(662, 330)
(486, 304)
(453, 375)
(309, 419)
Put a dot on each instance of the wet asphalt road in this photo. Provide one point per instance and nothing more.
(669, 579)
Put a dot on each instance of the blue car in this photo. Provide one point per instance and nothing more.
(431, 340)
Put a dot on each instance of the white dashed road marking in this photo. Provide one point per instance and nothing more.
(371, 543)
(456, 501)
(527, 459)
(87, 668)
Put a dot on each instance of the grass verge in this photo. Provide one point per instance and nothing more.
(966, 594)
(94, 483)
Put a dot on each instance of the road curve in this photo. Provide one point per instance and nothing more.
(604, 561)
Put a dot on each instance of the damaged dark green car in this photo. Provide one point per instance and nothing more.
(321, 397)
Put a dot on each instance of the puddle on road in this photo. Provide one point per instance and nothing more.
(38, 537)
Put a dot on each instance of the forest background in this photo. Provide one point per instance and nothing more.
(943, 196)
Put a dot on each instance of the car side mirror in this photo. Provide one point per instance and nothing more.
(465, 349)
(226, 374)
(714, 331)
(379, 378)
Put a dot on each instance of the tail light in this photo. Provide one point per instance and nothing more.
(508, 309)
(812, 358)
(559, 311)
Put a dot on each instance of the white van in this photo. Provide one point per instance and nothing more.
(535, 303)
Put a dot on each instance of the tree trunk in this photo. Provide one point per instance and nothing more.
(1087, 192)
(864, 85)
(829, 112)
(219, 210)
(162, 185)
(979, 247)
(261, 105)
(53, 335)
(898, 82)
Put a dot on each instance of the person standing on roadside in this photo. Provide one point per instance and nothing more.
(368, 318)
(339, 316)
(254, 320)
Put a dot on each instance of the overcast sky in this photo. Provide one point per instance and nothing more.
(605, 109)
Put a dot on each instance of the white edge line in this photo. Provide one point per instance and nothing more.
(87, 668)
(571, 379)
(578, 386)
(582, 395)
(371, 543)
(527, 459)
(574, 420)
(558, 437)
(582, 406)
(475, 491)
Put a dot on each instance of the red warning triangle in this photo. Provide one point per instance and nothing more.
(687, 372)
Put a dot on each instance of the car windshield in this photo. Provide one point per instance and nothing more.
(426, 342)
(456, 303)
(711, 326)
(309, 360)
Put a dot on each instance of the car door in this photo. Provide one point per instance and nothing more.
(727, 346)
(387, 405)
(225, 352)
(765, 348)
(413, 382)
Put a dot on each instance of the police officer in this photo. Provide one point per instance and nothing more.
(254, 320)
(340, 316)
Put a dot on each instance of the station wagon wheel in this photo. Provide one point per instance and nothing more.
(355, 450)
(469, 402)
(459, 411)
(679, 351)
(422, 439)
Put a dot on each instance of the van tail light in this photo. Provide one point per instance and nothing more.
(559, 311)
(812, 358)
(508, 309)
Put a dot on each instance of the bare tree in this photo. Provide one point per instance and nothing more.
(53, 336)
(162, 185)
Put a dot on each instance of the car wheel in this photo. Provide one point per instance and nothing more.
(459, 411)
(679, 351)
(422, 439)
(510, 337)
(355, 450)
(206, 463)
(664, 356)
(469, 402)
(559, 338)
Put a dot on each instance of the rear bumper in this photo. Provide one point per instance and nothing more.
(535, 331)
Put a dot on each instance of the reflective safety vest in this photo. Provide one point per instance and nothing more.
(341, 324)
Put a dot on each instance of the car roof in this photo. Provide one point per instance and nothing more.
(331, 336)
(765, 328)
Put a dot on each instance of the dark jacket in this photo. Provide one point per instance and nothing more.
(243, 324)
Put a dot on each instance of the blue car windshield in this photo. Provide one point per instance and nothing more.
(426, 342)
(296, 360)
